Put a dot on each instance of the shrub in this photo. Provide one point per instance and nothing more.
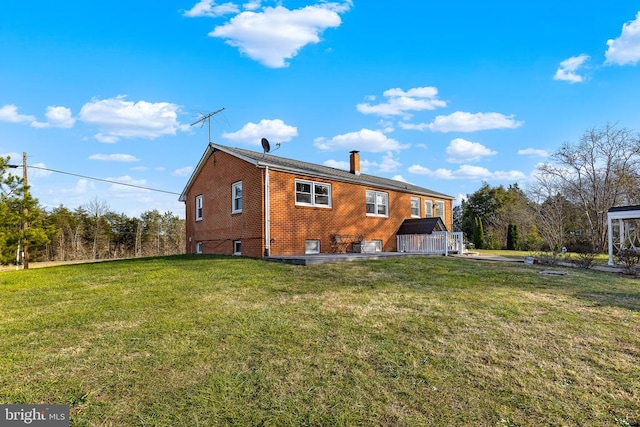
(630, 260)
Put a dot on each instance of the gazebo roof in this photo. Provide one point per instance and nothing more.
(625, 208)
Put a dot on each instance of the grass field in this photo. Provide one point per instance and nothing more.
(207, 341)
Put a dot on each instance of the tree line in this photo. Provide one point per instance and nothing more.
(565, 204)
(90, 232)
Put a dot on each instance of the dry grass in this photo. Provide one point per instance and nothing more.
(414, 341)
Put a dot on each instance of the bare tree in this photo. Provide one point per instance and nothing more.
(97, 209)
(598, 172)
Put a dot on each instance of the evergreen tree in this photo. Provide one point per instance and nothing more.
(478, 234)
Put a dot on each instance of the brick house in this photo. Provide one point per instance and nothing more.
(255, 204)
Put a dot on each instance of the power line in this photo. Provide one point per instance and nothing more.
(103, 180)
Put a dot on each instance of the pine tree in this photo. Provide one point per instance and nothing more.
(478, 234)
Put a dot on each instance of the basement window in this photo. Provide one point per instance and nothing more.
(237, 247)
(312, 247)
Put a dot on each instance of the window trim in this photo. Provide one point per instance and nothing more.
(198, 247)
(313, 193)
(199, 207)
(375, 203)
(417, 201)
(234, 186)
(237, 244)
(441, 203)
(306, 248)
(428, 212)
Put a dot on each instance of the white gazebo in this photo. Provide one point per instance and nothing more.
(628, 236)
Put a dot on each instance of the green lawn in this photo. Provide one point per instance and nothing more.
(206, 341)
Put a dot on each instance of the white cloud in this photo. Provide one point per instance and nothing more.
(82, 186)
(185, 171)
(459, 199)
(252, 5)
(209, 8)
(388, 164)
(533, 152)
(126, 179)
(107, 139)
(118, 118)
(277, 34)
(567, 69)
(400, 178)
(60, 117)
(114, 157)
(625, 50)
(9, 113)
(468, 172)
(412, 126)
(274, 130)
(364, 140)
(400, 102)
(40, 172)
(338, 164)
(461, 121)
(460, 151)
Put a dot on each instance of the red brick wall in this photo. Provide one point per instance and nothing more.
(219, 227)
(291, 225)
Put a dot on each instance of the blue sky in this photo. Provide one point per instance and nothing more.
(444, 95)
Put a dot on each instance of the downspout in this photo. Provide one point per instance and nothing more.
(267, 214)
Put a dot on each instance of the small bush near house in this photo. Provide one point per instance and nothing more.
(630, 261)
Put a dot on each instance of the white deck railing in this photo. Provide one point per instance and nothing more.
(437, 243)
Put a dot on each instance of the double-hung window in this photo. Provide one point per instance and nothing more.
(415, 207)
(236, 193)
(377, 203)
(310, 193)
(440, 209)
(428, 208)
(199, 208)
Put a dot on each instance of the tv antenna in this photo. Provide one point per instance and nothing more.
(207, 117)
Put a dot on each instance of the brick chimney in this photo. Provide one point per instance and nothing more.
(354, 162)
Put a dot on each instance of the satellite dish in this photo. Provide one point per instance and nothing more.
(265, 145)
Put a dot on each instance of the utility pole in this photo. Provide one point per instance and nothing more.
(25, 184)
(208, 118)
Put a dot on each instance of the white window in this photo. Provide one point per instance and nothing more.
(440, 209)
(377, 203)
(236, 192)
(428, 208)
(237, 247)
(309, 193)
(199, 247)
(312, 247)
(415, 207)
(199, 208)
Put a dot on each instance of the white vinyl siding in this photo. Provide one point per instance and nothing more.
(310, 193)
(377, 203)
(236, 192)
